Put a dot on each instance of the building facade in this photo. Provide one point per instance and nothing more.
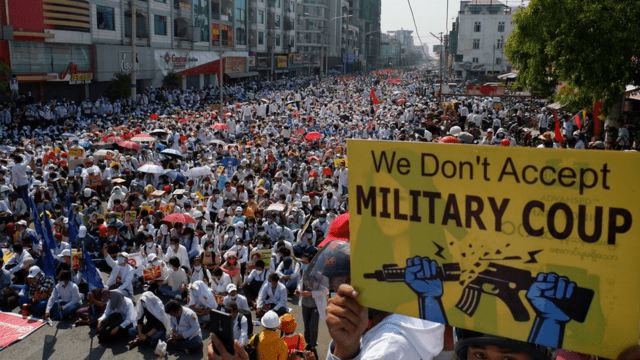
(73, 48)
(480, 32)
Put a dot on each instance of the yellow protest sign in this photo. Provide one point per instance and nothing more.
(539, 245)
(337, 161)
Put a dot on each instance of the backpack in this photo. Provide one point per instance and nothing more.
(252, 347)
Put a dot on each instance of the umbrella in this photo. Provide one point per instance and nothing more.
(200, 171)
(143, 138)
(449, 139)
(159, 132)
(174, 175)
(217, 142)
(112, 139)
(104, 154)
(151, 169)
(86, 144)
(172, 153)
(219, 126)
(313, 135)
(179, 218)
(129, 145)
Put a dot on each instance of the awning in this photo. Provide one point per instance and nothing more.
(212, 67)
(511, 75)
(240, 75)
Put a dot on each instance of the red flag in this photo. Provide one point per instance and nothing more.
(576, 118)
(374, 98)
(558, 136)
(597, 107)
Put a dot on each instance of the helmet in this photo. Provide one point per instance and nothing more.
(468, 338)
(270, 320)
(455, 130)
(330, 267)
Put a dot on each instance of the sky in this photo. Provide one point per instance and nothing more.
(430, 17)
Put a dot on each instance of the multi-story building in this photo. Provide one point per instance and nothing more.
(74, 48)
(482, 27)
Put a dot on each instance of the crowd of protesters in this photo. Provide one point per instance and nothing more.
(138, 218)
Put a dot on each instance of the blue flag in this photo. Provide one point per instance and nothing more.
(73, 225)
(89, 272)
(48, 233)
(48, 262)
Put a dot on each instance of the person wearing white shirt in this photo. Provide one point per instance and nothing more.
(179, 251)
(121, 276)
(240, 324)
(272, 296)
(201, 300)
(185, 329)
(220, 281)
(119, 316)
(65, 298)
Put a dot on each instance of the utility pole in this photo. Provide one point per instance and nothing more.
(133, 50)
(221, 82)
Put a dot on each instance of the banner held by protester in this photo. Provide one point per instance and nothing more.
(533, 244)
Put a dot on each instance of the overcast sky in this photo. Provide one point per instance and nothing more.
(430, 17)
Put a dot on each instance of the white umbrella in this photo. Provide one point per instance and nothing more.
(218, 142)
(151, 169)
(200, 171)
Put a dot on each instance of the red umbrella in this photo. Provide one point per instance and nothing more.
(112, 139)
(143, 138)
(313, 135)
(219, 126)
(449, 139)
(313, 173)
(179, 218)
(129, 145)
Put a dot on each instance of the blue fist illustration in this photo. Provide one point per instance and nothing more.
(424, 276)
(545, 289)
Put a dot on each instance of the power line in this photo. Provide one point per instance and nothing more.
(416, 27)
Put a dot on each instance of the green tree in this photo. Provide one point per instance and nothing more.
(590, 46)
(119, 87)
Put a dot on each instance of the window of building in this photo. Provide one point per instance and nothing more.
(260, 38)
(498, 61)
(501, 26)
(476, 43)
(499, 43)
(160, 25)
(475, 60)
(277, 22)
(241, 36)
(459, 58)
(260, 17)
(105, 17)
(476, 26)
(161, 1)
(142, 27)
(278, 39)
(215, 9)
(279, 4)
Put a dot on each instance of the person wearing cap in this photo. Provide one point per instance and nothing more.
(295, 342)
(65, 299)
(240, 300)
(232, 267)
(270, 345)
(185, 333)
(121, 276)
(34, 296)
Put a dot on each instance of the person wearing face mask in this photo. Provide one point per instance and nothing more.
(122, 273)
(242, 253)
(155, 280)
(220, 281)
(199, 272)
(240, 300)
(321, 223)
(177, 280)
(119, 316)
(272, 296)
(272, 229)
(310, 314)
(65, 298)
(254, 281)
(288, 269)
(179, 251)
(232, 267)
(150, 247)
(329, 202)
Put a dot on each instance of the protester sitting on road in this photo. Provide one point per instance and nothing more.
(295, 341)
(121, 276)
(201, 300)
(118, 318)
(270, 345)
(240, 324)
(65, 299)
(272, 296)
(185, 332)
(152, 324)
(177, 280)
(97, 300)
(253, 283)
(220, 281)
(8, 296)
(35, 294)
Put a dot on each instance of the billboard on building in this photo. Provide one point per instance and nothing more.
(174, 61)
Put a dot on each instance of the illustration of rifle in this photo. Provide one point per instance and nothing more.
(502, 281)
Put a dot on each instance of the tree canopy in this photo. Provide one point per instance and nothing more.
(590, 45)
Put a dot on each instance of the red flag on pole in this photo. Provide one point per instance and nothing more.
(374, 98)
(576, 118)
(597, 128)
(558, 133)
